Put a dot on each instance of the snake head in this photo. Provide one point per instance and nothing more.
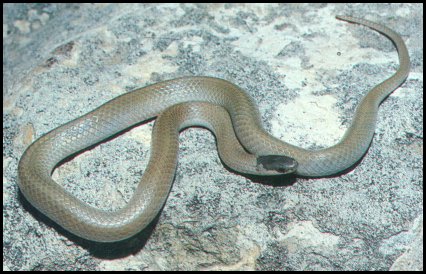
(279, 163)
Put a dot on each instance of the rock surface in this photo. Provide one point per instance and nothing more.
(307, 72)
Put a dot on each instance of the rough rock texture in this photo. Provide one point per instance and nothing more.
(307, 72)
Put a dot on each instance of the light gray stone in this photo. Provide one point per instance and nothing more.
(307, 72)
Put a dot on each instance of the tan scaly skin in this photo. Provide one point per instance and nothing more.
(183, 102)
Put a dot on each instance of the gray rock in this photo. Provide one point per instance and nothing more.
(307, 72)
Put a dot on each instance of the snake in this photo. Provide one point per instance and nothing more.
(213, 103)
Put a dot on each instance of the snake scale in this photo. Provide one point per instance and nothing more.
(209, 102)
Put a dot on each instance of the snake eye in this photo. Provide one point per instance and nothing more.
(279, 163)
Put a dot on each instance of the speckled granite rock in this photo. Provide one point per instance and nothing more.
(307, 72)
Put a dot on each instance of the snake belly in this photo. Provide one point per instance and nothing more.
(214, 103)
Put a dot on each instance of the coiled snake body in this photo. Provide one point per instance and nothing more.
(204, 101)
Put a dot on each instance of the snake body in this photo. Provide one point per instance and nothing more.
(214, 103)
